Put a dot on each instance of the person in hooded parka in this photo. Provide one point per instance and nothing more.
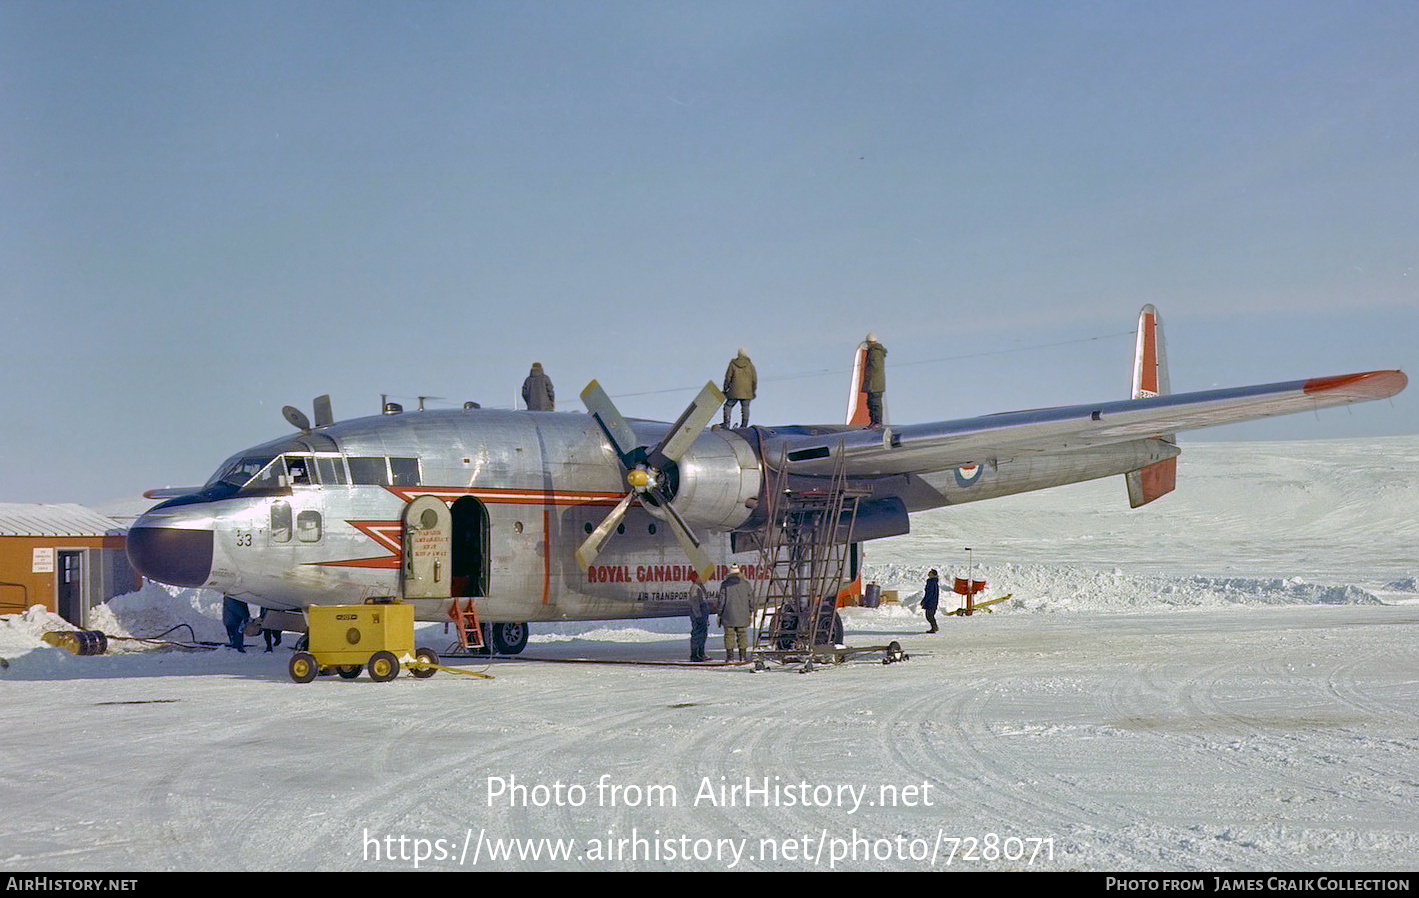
(874, 379)
(741, 384)
(537, 390)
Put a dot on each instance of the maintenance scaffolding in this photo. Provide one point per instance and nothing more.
(805, 552)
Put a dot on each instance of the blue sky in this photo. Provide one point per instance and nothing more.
(209, 211)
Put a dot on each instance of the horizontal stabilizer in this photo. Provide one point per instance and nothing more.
(1148, 483)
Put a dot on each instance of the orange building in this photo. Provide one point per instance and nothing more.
(64, 557)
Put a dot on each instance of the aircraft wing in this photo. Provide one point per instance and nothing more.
(922, 448)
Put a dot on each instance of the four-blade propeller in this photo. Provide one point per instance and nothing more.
(651, 472)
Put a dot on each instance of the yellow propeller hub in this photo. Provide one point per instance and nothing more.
(638, 479)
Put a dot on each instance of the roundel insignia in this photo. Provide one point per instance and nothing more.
(967, 475)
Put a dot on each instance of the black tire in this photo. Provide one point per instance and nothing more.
(303, 667)
(509, 638)
(349, 671)
(424, 656)
(787, 628)
(383, 667)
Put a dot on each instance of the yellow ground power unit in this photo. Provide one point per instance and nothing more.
(350, 638)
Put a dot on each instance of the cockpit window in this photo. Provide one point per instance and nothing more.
(372, 471)
(405, 471)
(292, 469)
(380, 471)
(300, 469)
(261, 474)
(271, 477)
(239, 472)
(332, 470)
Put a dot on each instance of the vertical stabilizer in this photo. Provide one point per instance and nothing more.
(1150, 378)
(1150, 358)
(856, 398)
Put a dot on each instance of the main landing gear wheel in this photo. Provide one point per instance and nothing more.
(303, 667)
(422, 657)
(831, 632)
(383, 667)
(788, 628)
(509, 639)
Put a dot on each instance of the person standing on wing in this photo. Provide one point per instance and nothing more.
(741, 384)
(874, 379)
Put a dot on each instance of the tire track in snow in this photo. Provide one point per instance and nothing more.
(995, 787)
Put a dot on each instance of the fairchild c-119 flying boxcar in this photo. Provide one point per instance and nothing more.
(554, 516)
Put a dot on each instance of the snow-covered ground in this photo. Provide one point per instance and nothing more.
(1225, 680)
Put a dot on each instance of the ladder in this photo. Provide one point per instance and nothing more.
(804, 554)
(465, 621)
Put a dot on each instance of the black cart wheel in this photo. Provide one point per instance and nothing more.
(349, 671)
(383, 667)
(424, 657)
(303, 667)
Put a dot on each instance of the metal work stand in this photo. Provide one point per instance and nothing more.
(804, 554)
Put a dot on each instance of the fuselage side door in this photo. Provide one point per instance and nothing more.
(428, 549)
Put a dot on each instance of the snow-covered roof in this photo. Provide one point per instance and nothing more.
(20, 519)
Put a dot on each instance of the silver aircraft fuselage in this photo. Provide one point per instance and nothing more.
(318, 517)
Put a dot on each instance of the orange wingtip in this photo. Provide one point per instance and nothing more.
(1360, 387)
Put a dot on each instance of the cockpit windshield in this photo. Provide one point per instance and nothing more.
(237, 472)
(278, 468)
(257, 474)
(271, 477)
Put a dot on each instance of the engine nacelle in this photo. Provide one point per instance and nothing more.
(718, 481)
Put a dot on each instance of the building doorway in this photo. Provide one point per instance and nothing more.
(69, 585)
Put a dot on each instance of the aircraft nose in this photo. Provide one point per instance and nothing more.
(171, 555)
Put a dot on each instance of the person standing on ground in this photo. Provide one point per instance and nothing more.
(272, 637)
(235, 614)
(736, 614)
(931, 598)
(701, 607)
